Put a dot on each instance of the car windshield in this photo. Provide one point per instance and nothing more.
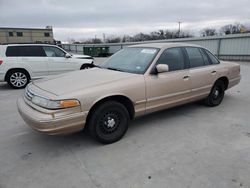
(132, 60)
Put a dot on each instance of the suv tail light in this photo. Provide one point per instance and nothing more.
(1, 62)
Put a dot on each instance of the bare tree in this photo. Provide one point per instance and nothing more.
(92, 41)
(127, 38)
(141, 37)
(167, 34)
(96, 41)
(113, 39)
(71, 40)
(208, 32)
(233, 29)
(160, 35)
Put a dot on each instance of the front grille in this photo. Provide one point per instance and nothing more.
(28, 94)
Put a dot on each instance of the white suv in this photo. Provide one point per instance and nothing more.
(19, 63)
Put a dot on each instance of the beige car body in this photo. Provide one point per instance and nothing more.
(140, 93)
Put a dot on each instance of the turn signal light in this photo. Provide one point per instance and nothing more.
(69, 103)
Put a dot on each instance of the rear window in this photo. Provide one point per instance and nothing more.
(195, 57)
(25, 51)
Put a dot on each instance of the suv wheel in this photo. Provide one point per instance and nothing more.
(109, 122)
(18, 79)
(86, 66)
(216, 95)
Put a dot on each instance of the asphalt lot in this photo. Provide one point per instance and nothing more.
(188, 146)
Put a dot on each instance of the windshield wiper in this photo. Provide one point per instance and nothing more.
(114, 69)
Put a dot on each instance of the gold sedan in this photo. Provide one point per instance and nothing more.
(136, 81)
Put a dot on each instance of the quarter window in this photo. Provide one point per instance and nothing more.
(195, 57)
(25, 51)
(12, 51)
(53, 51)
(205, 57)
(174, 58)
(212, 58)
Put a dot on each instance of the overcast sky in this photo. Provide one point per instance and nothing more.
(82, 19)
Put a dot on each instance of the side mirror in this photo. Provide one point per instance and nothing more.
(162, 68)
(67, 56)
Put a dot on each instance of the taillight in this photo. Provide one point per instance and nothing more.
(1, 62)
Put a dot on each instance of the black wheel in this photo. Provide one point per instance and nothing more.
(87, 66)
(216, 95)
(18, 79)
(109, 122)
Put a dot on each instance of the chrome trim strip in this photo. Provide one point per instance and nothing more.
(234, 79)
(201, 88)
(193, 98)
(140, 102)
(168, 96)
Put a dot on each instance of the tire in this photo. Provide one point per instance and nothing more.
(86, 66)
(216, 95)
(18, 79)
(109, 122)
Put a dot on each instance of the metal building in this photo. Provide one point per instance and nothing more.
(228, 47)
(26, 35)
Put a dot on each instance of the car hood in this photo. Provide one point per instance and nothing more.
(80, 80)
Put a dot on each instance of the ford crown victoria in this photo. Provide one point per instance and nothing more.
(135, 81)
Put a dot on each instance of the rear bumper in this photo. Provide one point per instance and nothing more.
(234, 81)
(2, 75)
(46, 123)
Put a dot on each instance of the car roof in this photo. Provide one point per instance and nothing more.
(165, 45)
(27, 44)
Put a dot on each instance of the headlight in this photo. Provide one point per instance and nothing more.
(55, 104)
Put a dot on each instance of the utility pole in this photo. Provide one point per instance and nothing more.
(104, 37)
(179, 31)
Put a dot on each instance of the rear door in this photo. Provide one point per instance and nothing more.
(169, 88)
(202, 72)
(57, 61)
(31, 58)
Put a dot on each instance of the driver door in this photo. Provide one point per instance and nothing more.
(170, 88)
(57, 62)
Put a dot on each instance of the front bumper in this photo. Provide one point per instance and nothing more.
(46, 122)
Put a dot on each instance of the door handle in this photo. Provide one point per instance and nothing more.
(213, 72)
(186, 77)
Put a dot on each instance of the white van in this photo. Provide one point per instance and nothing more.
(19, 63)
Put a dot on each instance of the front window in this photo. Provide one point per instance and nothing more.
(51, 51)
(174, 58)
(132, 60)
